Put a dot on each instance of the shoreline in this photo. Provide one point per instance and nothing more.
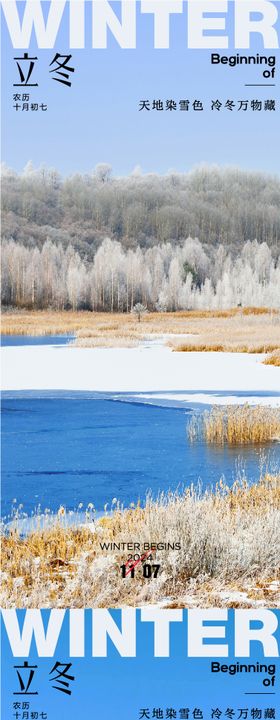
(150, 372)
(208, 566)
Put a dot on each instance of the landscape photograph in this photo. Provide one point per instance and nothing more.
(140, 359)
(141, 388)
(140, 333)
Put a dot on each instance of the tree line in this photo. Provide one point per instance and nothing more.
(216, 205)
(164, 277)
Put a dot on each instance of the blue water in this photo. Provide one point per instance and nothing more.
(18, 340)
(81, 449)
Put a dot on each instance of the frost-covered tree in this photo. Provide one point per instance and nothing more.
(210, 206)
(139, 310)
(163, 278)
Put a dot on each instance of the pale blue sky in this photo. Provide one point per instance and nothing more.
(97, 119)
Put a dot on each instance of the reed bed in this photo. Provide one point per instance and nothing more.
(202, 346)
(235, 330)
(229, 543)
(273, 359)
(236, 425)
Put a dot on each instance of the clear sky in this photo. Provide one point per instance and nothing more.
(98, 118)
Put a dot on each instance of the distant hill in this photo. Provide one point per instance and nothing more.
(215, 205)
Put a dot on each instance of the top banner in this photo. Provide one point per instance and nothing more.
(205, 23)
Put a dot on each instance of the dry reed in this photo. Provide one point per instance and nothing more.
(201, 346)
(273, 359)
(236, 425)
(254, 330)
(229, 543)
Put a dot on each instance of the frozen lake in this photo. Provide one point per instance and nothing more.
(20, 340)
(118, 428)
(76, 448)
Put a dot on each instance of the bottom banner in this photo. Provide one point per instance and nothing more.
(131, 664)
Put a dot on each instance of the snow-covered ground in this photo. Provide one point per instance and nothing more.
(150, 372)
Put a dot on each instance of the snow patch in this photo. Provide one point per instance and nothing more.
(157, 374)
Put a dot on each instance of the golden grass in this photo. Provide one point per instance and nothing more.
(273, 359)
(243, 333)
(224, 347)
(236, 425)
(236, 330)
(44, 322)
(229, 538)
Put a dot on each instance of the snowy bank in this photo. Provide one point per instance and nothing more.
(146, 370)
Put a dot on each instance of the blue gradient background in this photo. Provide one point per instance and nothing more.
(116, 687)
(97, 119)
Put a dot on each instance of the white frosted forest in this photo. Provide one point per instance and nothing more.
(161, 278)
(204, 239)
